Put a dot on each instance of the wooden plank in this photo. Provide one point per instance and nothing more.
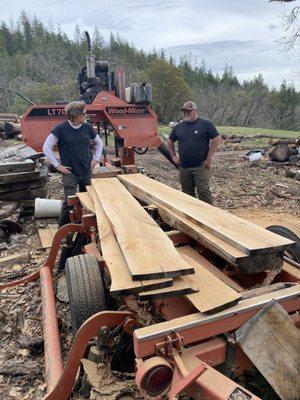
(290, 269)
(148, 251)
(207, 239)
(121, 282)
(272, 342)
(180, 287)
(46, 235)
(86, 201)
(213, 293)
(22, 166)
(19, 177)
(197, 257)
(15, 259)
(16, 187)
(244, 235)
(90, 192)
(107, 171)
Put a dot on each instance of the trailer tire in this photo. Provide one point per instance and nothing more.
(85, 288)
(294, 252)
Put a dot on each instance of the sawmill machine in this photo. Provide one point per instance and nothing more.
(109, 106)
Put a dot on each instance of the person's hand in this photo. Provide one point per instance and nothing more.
(63, 169)
(93, 164)
(176, 160)
(207, 163)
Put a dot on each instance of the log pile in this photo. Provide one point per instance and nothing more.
(9, 126)
(22, 176)
(143, 261)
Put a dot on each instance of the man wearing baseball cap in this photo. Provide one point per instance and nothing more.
(198, 140)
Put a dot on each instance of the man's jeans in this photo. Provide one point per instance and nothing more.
(70, 183)
(196, 178)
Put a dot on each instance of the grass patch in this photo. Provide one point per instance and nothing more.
(241, 130)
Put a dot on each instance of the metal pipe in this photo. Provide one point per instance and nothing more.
(90, 59)
(25, 98)
(52, 346)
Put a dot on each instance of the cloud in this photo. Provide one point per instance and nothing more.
(272, 27)
(242, 33)
(248, 58)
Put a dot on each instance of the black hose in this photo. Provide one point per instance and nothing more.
(165, 152)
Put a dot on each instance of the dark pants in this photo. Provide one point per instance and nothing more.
(196, 178)
(70, 183)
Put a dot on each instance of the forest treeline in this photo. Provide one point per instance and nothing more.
(42, 63)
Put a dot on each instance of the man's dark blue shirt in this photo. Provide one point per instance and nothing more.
(193, 141)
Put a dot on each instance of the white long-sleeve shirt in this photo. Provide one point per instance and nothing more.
(52, 140)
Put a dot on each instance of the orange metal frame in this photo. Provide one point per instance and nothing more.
(135, 124)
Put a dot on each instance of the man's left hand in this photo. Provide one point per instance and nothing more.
(93, 164)
(207, 163)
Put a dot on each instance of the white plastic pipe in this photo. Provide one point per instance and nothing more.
(47, 208)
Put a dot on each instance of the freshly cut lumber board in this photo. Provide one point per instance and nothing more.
(180, 287)
(148, 251)
(290, 269)
(121, 281)
(46, 235)
(198, 258)
(86, 201)
(244, 235)
(207, 239)
(213, 294)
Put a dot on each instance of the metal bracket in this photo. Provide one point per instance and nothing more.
(172, 341)
(89, 220)
(187, 378)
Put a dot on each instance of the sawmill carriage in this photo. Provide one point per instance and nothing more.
(213, 283)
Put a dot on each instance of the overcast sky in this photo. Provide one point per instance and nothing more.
(241, 33)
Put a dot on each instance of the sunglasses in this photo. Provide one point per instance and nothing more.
(187, 111)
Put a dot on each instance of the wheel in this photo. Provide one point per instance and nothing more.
(141, 150)
(294, 251)
(85, 288)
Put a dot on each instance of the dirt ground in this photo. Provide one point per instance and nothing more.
(257, 191)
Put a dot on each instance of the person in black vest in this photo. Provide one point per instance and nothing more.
(198, 140)
(73, 139)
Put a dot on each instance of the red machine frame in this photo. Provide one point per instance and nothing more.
(204, 350)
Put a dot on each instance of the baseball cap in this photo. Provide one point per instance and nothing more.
(189, 105)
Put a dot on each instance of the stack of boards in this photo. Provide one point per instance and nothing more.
(232, 238)
(140, 256)
(21, 180)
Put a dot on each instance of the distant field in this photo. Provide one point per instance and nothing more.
(240, 130)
